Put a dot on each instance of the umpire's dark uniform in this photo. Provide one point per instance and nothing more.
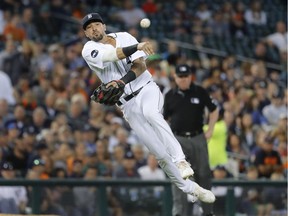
(185, 112)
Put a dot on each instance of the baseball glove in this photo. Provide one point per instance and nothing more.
(108, 95)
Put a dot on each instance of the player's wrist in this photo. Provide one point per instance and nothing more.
(130, 76)
(130, 50)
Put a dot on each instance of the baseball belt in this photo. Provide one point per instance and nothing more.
(189, 134)
(130, 96)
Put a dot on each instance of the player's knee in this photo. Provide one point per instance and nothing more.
(160, 156)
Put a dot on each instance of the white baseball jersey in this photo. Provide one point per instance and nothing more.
(106, 71)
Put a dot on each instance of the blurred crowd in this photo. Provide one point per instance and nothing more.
(50, 129)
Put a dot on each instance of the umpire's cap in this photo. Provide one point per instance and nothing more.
(89, 18)
(183, 69)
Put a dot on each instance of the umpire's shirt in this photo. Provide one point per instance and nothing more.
(185, 109)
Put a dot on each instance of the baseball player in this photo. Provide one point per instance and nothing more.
(118, 61)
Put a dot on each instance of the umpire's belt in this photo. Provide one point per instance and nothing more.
(130, 96)
(189, 134)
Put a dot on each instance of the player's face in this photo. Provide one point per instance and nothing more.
(95, 31)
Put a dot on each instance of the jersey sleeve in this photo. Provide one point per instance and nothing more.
(93, 55)
(209, 102)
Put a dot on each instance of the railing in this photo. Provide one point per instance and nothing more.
(230, 197)
(103, 183)
(238, 156)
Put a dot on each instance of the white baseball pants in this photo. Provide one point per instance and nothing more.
(143, 113)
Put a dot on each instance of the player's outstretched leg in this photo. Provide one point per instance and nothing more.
(187, 186)
(161, 130)
(148, 136)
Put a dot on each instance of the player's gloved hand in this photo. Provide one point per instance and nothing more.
(109, 93)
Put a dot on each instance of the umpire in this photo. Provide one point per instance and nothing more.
(184, 108)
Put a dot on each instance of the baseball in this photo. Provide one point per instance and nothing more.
(145, 23)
